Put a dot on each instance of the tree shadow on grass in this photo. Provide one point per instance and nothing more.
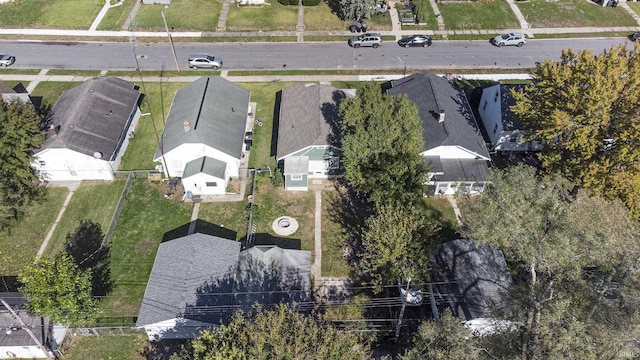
(86, 248)
(202, 227)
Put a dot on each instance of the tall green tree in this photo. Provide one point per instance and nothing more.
(443, 340)
(396, 246)
(574, 260)
(381, 143)
(20, 134)
(584, 109)
(352, 9)
(282, 333)
(57, 288)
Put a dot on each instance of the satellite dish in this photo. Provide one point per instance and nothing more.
(97, 155)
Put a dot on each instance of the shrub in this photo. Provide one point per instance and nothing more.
(311, 2)
(288, 2)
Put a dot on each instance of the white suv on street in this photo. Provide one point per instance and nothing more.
(204, 61)
(516, 39)
(369, 39)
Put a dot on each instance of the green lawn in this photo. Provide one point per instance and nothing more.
(50, 91)
(478, 15)
(181, 15)
(121, 347)
(20, 244)
(273, 17)
(116, 16)
(145, 219)
(142, 148)
(635, 6)
(333, 239)
(95, 201)
(230, 215)
(573, 13)
(320, 18)
(49, 14)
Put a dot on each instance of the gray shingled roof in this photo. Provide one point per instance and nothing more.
(6, 89)
(432, 93)
(93, 117)
(457, 169)
(308, 116)
(184, 273)
(271, 275)
(18, 337)
(477, 279)
(296, 165)
(216, 110)
(207, 165)
(203, 278)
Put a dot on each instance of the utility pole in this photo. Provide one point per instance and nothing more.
(173, 49)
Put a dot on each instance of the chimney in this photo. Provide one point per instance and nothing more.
(441, 118)
(53, 130)
(187, 125)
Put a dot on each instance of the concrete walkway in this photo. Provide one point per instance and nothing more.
(222, 20)
(521, 19)
(627, 8)
(454, 205)
(72, 186)
(132, 15)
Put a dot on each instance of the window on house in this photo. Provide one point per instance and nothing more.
(297, 177)
(496, 98)
(495, 128)
(485, 105)
(211, 184)
(42, 163)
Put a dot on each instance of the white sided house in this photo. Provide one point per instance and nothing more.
(308, 134)
(89, 131)
(203, 139)
(504, 130)
(455, 152)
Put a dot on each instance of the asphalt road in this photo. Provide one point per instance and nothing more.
(275, 56)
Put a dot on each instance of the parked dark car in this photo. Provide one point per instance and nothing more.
(415, 40)
(635, 36)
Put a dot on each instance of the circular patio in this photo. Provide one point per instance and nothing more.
(285, 225)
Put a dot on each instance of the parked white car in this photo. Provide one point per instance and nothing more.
(516, 39)
(6, 60)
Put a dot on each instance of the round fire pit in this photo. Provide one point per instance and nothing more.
(285, 225)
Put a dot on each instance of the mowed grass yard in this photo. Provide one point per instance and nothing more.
(181, 15)
(49, 14)
(145, 220)
(477, 15)
(20, 244)
(95, 201)
(116, 347)
(273, 17)
(573, 13)
(116, 16)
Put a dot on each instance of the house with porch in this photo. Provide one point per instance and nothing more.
(455, 151)
(308, 144)
(203, 141)
(88, 131)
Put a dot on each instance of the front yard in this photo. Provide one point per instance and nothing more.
(572, 13)
(181, 15)
(49, 14)
(478, 15)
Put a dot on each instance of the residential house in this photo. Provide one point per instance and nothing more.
(455, 152)
(199, 280)
(19, 93)
(25, 336)
(89, 131)
(308, 139)
(472, 280)
(504, 131)
(203, 139)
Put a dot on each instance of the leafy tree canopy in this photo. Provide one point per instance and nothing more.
(57, 288)
(584, 109)
(396, 245)
(381, 143)
(352, 9)
(574, 258)
(282, 333)
(20, 133)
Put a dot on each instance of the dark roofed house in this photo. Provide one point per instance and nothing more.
(89, 130)
(455, 151)
(308, 143)
(208, 119)
(474, 279)
(199, 280)
(504, 130)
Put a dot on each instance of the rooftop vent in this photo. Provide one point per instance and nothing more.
(187, 125)
(441, 117)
